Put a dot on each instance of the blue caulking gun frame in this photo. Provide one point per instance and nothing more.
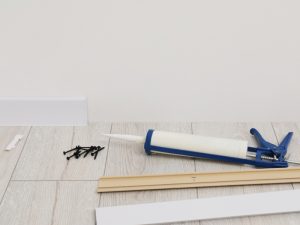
(275, 155)
(266, 155)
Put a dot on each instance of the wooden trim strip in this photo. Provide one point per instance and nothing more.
(192, 180)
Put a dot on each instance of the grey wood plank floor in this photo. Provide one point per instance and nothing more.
(39, 186)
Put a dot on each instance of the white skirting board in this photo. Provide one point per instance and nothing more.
(201, 209)
(32, 111)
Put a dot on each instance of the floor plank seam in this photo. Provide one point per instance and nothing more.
(66, 165)
(195, 167)
(272, 125)
(10, 179)
(108, 145)
(55, 203)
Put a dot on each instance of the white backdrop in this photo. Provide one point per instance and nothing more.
(232, 60)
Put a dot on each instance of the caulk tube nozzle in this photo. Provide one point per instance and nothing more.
(127, 137)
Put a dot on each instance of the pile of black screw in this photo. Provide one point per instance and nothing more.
(85, 151)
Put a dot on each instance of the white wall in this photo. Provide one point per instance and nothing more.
(137, 60)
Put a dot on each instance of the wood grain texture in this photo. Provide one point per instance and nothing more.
(41, 168)
(75, 203)
(88, 168)
(9, 159)
(239, 131)
(49, 202)
(130, 159)
(29, 203)
(42, 157)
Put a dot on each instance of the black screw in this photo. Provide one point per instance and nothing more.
(76, 148)
(69, 157)
(81, 153)
(85, 148)
(94, 149)
(99, 148)
(87, 152)
(96, 155)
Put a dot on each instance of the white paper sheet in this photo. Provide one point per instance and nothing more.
(201, 209)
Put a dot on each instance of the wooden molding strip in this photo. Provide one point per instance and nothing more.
(192, 180)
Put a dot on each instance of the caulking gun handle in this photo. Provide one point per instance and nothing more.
(286, 141)
(261, 141)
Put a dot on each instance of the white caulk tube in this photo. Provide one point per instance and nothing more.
(188, 145)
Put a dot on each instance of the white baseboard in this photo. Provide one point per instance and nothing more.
(33, 111)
